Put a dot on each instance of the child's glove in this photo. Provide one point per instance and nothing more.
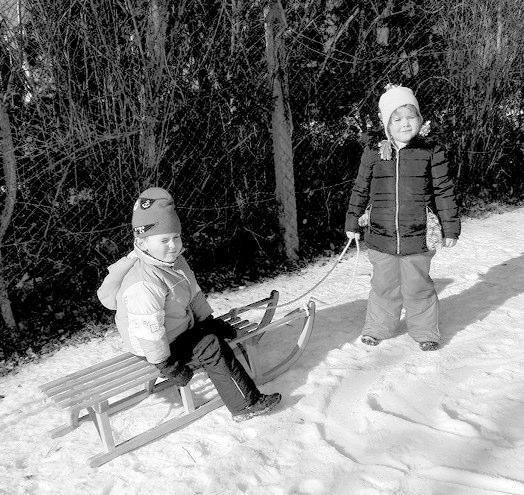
(219, 327)
(176, 371)
(353, 235)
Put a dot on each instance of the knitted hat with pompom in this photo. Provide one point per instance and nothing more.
(393, 98)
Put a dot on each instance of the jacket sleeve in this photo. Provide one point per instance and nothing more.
(200, 307)
(360, 194)
(145, 311)
(198, 304)
(444, 195)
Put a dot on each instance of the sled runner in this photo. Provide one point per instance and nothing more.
(99, 389)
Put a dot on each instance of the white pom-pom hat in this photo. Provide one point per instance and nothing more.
(395, 97)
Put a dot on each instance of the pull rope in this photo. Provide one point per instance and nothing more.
(351, 280)
(339, 259)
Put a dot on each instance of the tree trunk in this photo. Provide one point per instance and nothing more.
(8, 158)
(236, 24)
(282, 127)
(154, 64)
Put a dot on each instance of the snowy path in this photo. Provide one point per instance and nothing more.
(354, 419)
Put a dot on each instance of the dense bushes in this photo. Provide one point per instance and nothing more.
(111, 98)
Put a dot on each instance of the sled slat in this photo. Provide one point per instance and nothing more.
(93, 380)
(81, 373)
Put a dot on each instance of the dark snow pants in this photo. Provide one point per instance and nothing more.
(215, 356)
(402, 282)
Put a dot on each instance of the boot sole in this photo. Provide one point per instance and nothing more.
(428, 346)
(239, 418)
(368, 340)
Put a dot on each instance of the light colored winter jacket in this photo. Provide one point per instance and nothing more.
(155, 302)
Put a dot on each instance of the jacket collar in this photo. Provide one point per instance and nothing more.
(416, 142)
(150, 260)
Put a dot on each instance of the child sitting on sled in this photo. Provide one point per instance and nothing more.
(163, 316)
(400, 182)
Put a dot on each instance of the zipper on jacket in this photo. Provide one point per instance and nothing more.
(397, 200)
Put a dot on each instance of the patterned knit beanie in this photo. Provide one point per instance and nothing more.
(393, 98)
(154, 213)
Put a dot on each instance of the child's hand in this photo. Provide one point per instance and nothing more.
(447, 242)
(176, 371)
(353, 235)
(219, 327)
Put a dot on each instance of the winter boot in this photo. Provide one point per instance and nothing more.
(263, 405)
(428, 346)
(369, 340)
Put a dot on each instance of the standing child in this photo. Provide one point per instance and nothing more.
(400, 183)
(163, 316)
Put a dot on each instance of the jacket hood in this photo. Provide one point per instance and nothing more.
(117, 271)
(111, 284)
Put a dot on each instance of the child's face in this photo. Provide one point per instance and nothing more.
(163, 247)
(404, 124)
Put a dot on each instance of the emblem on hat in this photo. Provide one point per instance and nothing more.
(146, 203)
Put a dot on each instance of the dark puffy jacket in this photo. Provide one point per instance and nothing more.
(399, 192)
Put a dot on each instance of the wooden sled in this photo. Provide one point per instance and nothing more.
(99, 389)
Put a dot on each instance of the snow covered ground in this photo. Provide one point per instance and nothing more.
(354, 419)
